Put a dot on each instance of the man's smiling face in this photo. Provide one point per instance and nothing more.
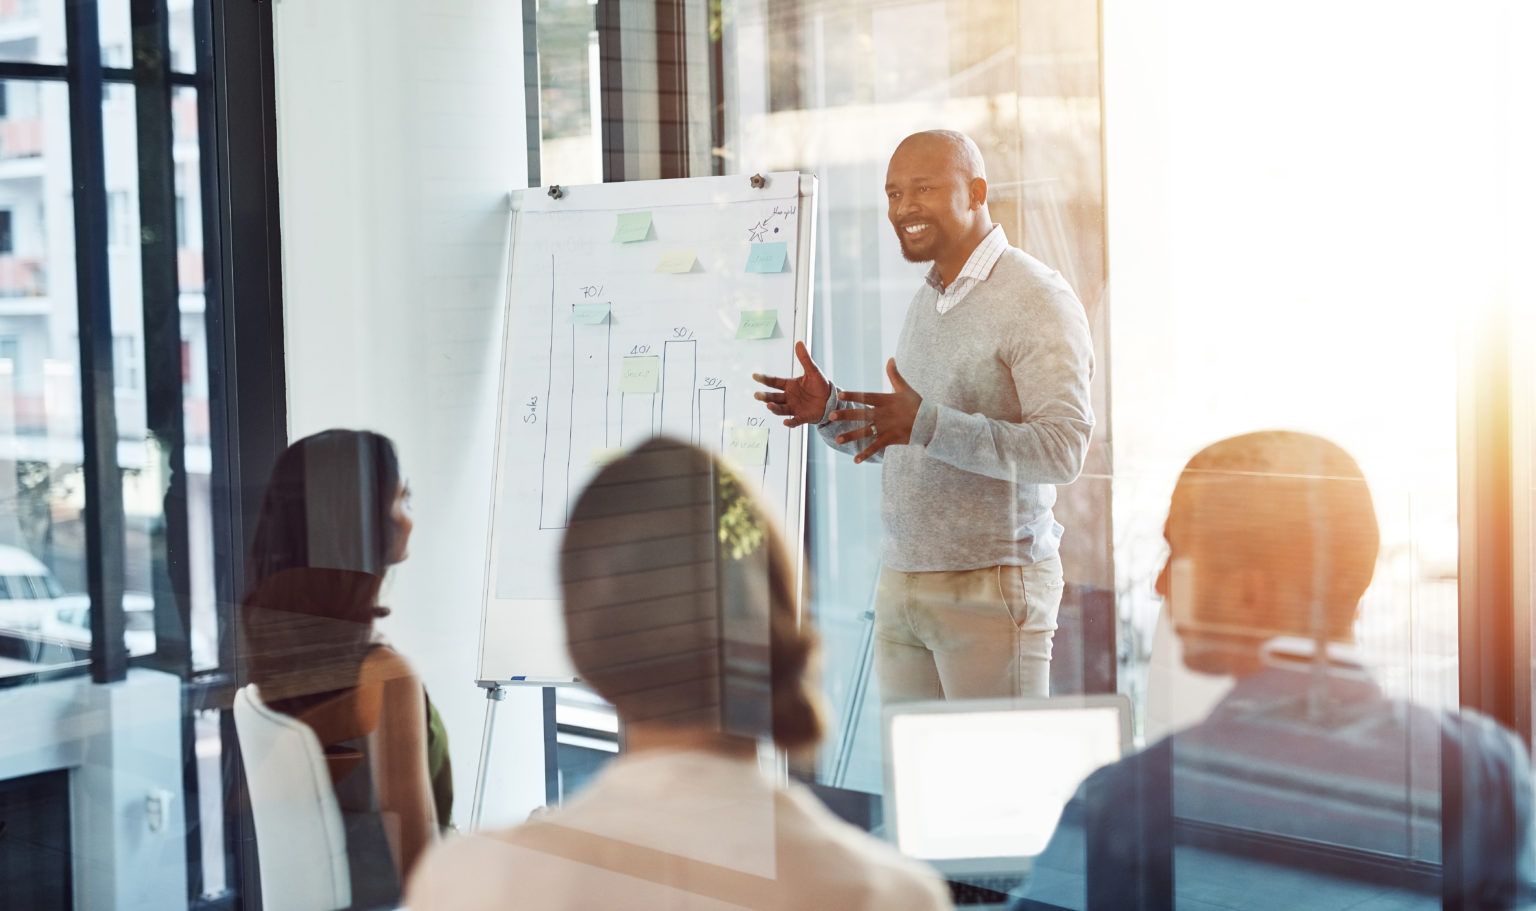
(928, 197)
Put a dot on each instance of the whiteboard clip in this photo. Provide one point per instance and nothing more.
(758, 181)
(555, 192)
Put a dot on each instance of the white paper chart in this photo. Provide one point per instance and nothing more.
(636, 309)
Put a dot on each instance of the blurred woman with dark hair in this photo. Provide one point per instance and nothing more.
(333, 520)
(681, 608)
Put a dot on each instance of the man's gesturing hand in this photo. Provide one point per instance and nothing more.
(802, 399)
(889, 415)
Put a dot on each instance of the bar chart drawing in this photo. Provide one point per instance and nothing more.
(679, 377)
(637, 417)
(711, 404)
(605, 347)
(579, 369)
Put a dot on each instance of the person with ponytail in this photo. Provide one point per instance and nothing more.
(681, 609)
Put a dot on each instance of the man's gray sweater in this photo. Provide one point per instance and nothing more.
(1006, 416)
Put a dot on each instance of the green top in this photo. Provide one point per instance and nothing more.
(439, 768)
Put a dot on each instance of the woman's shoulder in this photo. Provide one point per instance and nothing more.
(382, 664)
(493, 869)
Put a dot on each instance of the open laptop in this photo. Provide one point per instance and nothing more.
(974, 788)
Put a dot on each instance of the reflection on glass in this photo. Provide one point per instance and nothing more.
(569, 109)
(143, 473)
(194, 372)
(1272, 542)
(831, 89)
(182, 34)
(32, 31)
(42, 558)
(116, 33)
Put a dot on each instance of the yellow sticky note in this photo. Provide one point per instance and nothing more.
(749, 445)
(640, 375)
(677, 261)
(602, 455)
(758, 324)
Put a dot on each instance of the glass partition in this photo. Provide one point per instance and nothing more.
(44, 610)
(1290, 253)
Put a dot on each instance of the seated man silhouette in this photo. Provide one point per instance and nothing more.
(1272, 538)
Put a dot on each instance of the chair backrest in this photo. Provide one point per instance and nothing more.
(300, 842)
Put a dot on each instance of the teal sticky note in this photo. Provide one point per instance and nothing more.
(768, 257)
(590, 313)
(748, 446)
(632, 226)
(676, 261)
(640, 375)
(758, 324)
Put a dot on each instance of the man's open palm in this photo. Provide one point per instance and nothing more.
(801, 399)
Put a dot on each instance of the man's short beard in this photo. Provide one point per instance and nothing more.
(906, 252)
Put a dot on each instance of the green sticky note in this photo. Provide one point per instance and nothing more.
(590, 314)
(676, 261)
(768, 257)
(749, 445)
(641, 375)
(758, 324)
(632, 226)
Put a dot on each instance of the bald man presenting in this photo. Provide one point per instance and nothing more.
(989, 409)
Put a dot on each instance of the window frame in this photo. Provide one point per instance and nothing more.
(237, 164)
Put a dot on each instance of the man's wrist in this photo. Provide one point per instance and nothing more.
(826, 413)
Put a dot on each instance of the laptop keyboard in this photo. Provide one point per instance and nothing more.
(982, 890)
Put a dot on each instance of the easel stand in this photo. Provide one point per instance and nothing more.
(495, 694)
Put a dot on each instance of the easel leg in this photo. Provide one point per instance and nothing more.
(552, 793)
(854, 709)
(493, 696)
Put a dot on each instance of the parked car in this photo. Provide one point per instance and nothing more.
(35, 606)
(28, 591)
(70, 622)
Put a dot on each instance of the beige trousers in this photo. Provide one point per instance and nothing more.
(972, 634)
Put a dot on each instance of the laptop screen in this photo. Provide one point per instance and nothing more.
(990, 779)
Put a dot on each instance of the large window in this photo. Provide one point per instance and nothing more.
(106, 494)
(1290, 251)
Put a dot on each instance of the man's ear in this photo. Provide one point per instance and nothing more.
(978, 192)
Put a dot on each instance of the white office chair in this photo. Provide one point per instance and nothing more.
(300, 842)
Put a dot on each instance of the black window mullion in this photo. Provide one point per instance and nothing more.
(170, 547)
(17, 69)
(248, 412)
(98, 411)
(225, 555)
(237, 124)
(169, 551)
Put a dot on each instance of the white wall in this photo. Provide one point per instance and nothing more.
(400, 132)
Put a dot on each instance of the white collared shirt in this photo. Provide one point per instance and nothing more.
(976, 269)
